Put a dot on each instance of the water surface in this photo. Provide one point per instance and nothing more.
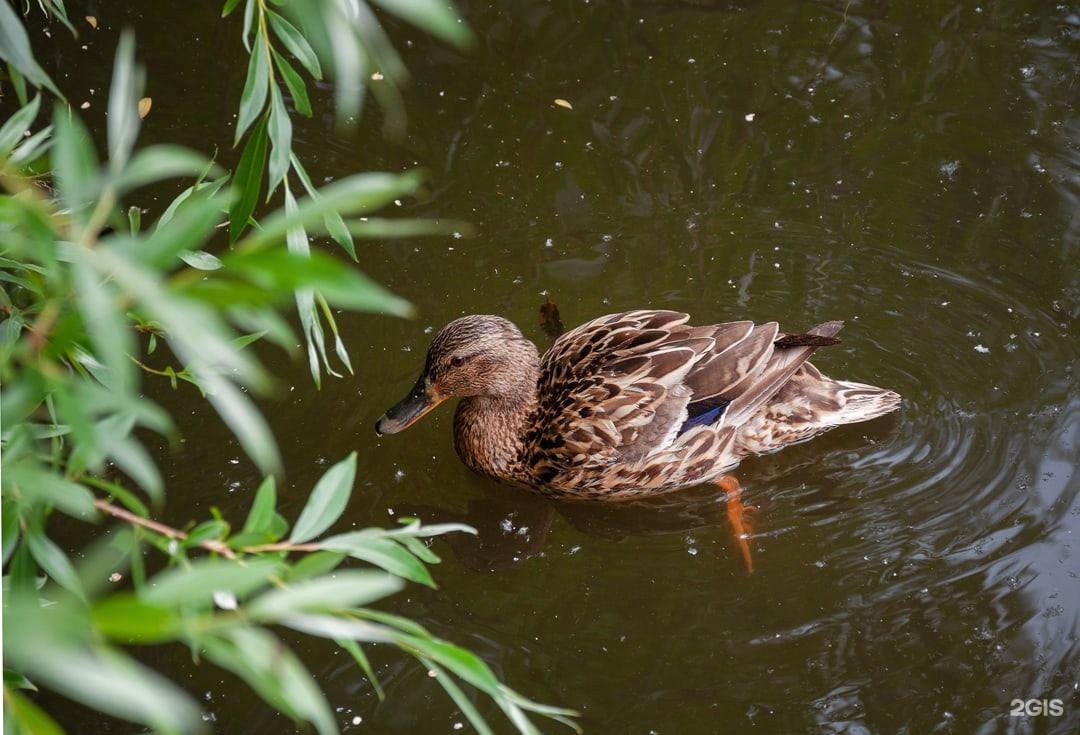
(912, 168)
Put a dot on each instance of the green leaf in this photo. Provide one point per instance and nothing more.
(15, 49)
(463, 702)
(382, 553)
(212, 530)
(42, 487)
(106, 324)
(159, 162)
(230, 5)
(262, 510)
(335, 225)
(334, 628)
(123, 119)
(314, 564)
(338, 591)
(462, 662)
(121, 493)
(32, 147)
(134, 219)
(281, 271)
(112, 683)
(54, 562)
(248, 180)
(296, 43)
(125, 618)
(74, 163)
(253, 98)
(206, 188)
(296, 85)
(327, 500)
(201, 260)
(362, 661)
(192, 226)
(353, 195)
(12, 131)
(280, 128)
(9, 519)
(198, 581)
(437, 17)
(130, 456)
(31, 719)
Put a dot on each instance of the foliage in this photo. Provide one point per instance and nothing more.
(93, 299)
(347, 35)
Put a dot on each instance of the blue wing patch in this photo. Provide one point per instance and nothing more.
(704, 413)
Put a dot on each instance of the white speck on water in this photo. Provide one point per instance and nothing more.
(775, 265)
(458, 725)
(399, 474)
(115, 577)
(209, 717)
(558, 165)
(982, 349)
(1027, 72)
(523, 531)
(357, 720)
(457, 235)
(692, 551)
(945, 303)
(574, 549)
(949, 168)
(749, 117)
(549, 243)
(432, 673)
(691, 61)
(397, 202)
(429, 329)
(506, 525)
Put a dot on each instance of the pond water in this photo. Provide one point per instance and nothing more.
(912, 168)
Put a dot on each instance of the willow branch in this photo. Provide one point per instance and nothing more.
(213, 545)
(160, 528)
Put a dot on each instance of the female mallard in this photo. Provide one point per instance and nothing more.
(630, 404)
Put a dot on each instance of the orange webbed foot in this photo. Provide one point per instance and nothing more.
(737, 516)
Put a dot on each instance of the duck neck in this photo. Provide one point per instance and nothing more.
(489, 431)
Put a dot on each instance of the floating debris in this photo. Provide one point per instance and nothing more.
(144, 107)
(92, 21)
(749, 117)
(982, 349)
(563, 103)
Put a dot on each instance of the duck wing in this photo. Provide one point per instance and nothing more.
(627, 387)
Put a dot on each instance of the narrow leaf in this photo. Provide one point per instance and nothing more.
(327, 501)
(248, 180)
(280, 128)
(253, 98)
(296, 43)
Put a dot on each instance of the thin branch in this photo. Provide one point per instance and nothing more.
(216, 547)
(213, 545)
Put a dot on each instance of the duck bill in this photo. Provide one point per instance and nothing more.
(410, 409)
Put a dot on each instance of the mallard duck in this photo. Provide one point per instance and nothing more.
(630, 404)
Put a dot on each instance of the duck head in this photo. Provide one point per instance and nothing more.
(474, 356)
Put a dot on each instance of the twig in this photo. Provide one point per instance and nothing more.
(160, 528)
(213, 545)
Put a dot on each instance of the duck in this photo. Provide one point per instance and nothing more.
(630, 404)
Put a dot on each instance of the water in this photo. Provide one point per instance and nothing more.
(911, 168)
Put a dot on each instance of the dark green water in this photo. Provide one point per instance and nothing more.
(910, 167)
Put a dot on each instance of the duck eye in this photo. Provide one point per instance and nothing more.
(457, 361)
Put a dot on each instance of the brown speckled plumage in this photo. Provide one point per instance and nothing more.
(634, 403)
